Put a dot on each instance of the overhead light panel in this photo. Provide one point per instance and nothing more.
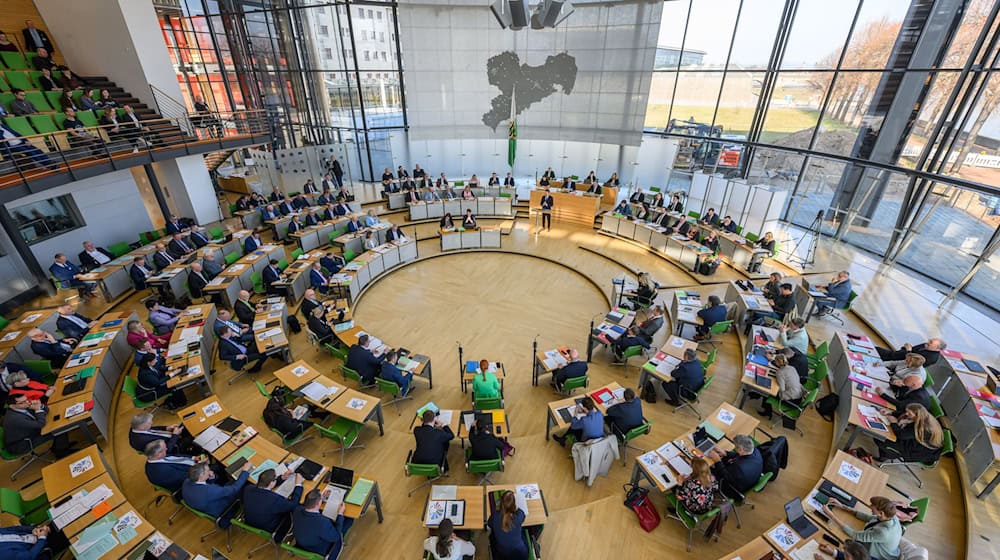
(511, 13)
(550, 13)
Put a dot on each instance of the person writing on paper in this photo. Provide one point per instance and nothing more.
(21, 384)
(688, 376)
(739, 469)
(48, 348)
(390, 372)
(485, 384)
(24, 542)
(469, 221)
(363, 361)
(882, 531)
(574, 368)
(279, 418)
(623, 209)
(711, 314)
(314, 532)
(224, 320)
(447, 223)
(793, 335)
(446, 545)
(153, 383)
(214, 499)
(790, 389)
(918, 438)
(395, 234)
(142, 432)
(587, 424)
(913, 364)
(912, 391)
(506, 527)
(432, 440)
(485, 446)
(263, 508)
(696, 491)
(625, 415)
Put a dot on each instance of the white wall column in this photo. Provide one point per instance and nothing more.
(188, 188)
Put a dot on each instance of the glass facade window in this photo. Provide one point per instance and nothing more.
(41, 220)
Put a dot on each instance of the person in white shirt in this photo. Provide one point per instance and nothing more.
(92, 257)
(794, 335)
(370, 240)
(446, 545)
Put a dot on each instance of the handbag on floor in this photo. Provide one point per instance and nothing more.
(637, 499)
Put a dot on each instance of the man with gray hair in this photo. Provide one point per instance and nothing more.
(210, 266)
(740, 469)
(166, 471)
(930, 350)
(143, 432)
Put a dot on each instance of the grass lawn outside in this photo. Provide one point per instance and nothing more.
(781, 121)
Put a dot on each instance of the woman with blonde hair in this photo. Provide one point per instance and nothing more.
(696, 492)
(919, 437)
(912, 364)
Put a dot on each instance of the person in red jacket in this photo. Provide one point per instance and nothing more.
(137, 335)
(34, 390)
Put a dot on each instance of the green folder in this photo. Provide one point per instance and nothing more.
(244, 453)
(713, 431)
(360, 491)
(86, 372)
(92, 336)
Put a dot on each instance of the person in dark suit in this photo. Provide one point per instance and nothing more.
(244, 310)
(43, 60)
(178, 247)
(23, 423)
(341, 209)
(630, 338)
(395, 234)
(240, 331)
(318, 325)
(92, 257)
(48, 348)
(279, 417)
(142, 432)
(317, 533)
(285, 207)
(162, 258)
(295, 225)
(197, 280)
(688, 376)
(35, 38)
(432, 439)
(728, 224)
(269, 213)
(469, 220)
(153, 379)
(270, 275)
(24, 542)
(311, 218)
(838, 293)
(575, 368)
(485, 446)
(213, 499)
(72, 324)
(546, 204)
(263, 508)
(252, 243)
(209, 266)
(139, 273)
(70, 275)
(317, 279)
(363, 361)
(354, 225)
(198, 237)
(710, 218)
(238, 355)
(739, 469)
(332, 263)
(276, 195)
(390, 372)
(309, 302)
(164, 468)
(930, 350)
(300, 202)
(508, 181)
(626, 415)
(711, 314)
(783, 303)
(174, 226)
(911, 392)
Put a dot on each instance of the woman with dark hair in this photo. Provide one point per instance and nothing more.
(485, 446)
(506, 529)
(277, 417)
(446, 545)
(152, 378)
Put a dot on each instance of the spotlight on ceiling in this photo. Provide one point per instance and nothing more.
(511, 13)
(550, 13)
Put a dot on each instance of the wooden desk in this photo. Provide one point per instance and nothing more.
(732, 421)
(87, 519)
(857, 423)
(453, 424)
(753, 550)
(475, 504)
(296, 374)
(199, 416)
(349, 337)
(501, 429)
(374, 495)
(264, 450)
(606, 336)
(748, 383)
(554, 419)
(58, 423)
(495, 368)
(539, 367)
(59, 478)
(341, 406)
(684, 311)
(538, 511)
(329, 384)
(872, 481)
(568, 207)
(142, 530)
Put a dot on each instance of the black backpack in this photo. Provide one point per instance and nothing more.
(293, 324)
(828, 405)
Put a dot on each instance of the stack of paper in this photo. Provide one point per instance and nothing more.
(211, 439)
(680, 465)
(333, 501)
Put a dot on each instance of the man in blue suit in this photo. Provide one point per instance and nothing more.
(317, 279)
(48, 348)
(286, 207)
(363, 361)
(629, 339)
(213, 499)
(166, 471)
(223, 320)
(13, 144)
(838, 293)
(198, 237)
(139, 273)
(70, 275)
(341, 209)
(575, 368)
(237, 354)
(268, 213)
(626, 415)
(332, 263)
(317, 533)
(354, 225)
(392, 373)
(72, 324)
(714, 313)
(142, 432)
(251, 243)
(24, 542)
(270, 275)
(174, 226)
(687, 376)
(266, 509)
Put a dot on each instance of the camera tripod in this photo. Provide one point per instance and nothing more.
(814, 229)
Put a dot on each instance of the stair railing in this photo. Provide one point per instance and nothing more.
(170, 108)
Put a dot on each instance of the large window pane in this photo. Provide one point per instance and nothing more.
(710, 31)
(740, 94)
(794, 108)
(845, 112)
(874, 234)
(818, 33)
(660, 96)
(696, 95)
(983, 285)
(875, 34)
(755, 33)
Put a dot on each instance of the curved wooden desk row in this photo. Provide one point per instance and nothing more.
(15, 346)
(397, 201)
(480, 206)
(235, 277)
(609, 195)
(577, 208)
(482, 236)
(252, 219)
(311, 237)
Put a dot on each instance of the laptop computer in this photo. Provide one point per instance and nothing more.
(344, 478)
(797, 519)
